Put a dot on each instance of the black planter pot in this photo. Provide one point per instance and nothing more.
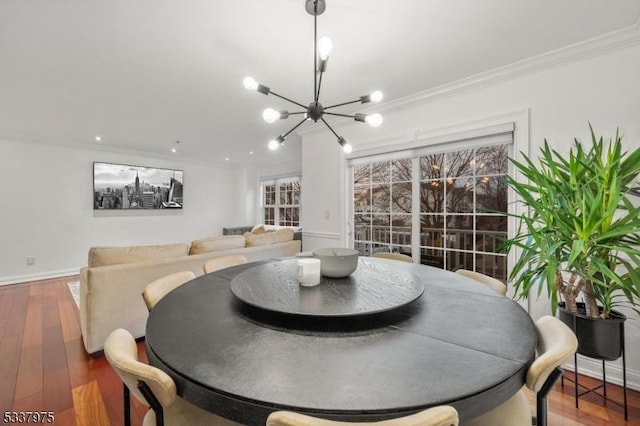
(597, 338)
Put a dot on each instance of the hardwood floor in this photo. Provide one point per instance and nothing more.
(43, 367)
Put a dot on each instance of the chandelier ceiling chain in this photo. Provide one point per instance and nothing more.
(315, 110)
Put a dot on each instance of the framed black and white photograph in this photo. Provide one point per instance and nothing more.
(122, 186)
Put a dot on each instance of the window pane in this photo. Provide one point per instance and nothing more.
(458, 259)
(459, 195)
(362, 174)
(380, 172)
(492, 160)
(432, 257)
(362, 224)
(460, 232)
(431, 230)
(401, 197)
(269, 216)
(401, 229)
(432, 167)
(490, 233)
(432, 196)
(491, 194)
(381, 198)
(492, 265)
(361, 198)
(401, 170)
(459, 163)
(269, 195)
(380, 227)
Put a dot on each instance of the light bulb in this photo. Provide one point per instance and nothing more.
(274, 144)
(376, 96)
(324, 48)
(250, 83)
(347, 148)
(374, 120)
(270, 115)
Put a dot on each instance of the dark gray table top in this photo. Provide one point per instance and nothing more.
(459, 344)
(274, 286)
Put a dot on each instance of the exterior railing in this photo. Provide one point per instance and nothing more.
(458, 245)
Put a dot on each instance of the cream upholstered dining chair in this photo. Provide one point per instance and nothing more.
(490, 282)
(156, 290)
(394, 256)
(443, 415)
(222, 262)
(152, 387)
(556, 345)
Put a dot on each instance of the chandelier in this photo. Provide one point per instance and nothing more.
(315, 110)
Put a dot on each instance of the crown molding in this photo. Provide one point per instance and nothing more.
(606, 43)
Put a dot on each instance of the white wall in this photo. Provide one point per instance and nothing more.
(601, 88)
(47, 210)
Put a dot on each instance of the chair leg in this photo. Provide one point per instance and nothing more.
(146, 391)
(127, 405)
(541, 397)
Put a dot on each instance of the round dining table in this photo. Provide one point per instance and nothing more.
(391, 339)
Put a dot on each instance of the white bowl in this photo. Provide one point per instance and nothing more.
(337, 262)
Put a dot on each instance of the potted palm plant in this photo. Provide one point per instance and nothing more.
(580, 238)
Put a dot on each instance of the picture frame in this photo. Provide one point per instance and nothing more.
(129, 187)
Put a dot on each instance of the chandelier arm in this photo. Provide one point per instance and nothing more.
(315, 55)
(339, 115)
(343, 103)
(330, 128)
(294, 127)
(319, 84)
(298, 112)
(287, 99)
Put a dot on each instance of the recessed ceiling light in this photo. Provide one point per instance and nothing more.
(226, 159)
(98, 138)
(174, 150)
(250, 152)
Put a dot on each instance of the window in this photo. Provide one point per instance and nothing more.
(382, 206)
(446, 207)
(463, 209)
(281, 201)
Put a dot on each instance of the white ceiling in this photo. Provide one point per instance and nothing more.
(145, 73)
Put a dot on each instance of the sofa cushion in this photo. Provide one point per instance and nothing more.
(272, 237)
(258, 229)
(105, 256)
(224, 242)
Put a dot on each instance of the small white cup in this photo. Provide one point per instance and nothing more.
(309, 272)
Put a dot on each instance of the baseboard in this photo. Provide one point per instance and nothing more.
(593, 368)
(16, 279)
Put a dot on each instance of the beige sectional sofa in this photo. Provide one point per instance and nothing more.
(112, 282)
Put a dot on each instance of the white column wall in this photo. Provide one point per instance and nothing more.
(560, 100)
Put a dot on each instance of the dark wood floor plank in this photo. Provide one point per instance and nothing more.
(89, 406)
(57, 384)
(30, 370)
(11, 346)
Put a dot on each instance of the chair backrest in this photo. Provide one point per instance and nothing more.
(156, 290)
(394, 256)
(122, 353)
(556, 344)
(222, 262)
(490, 282)
(444, 415)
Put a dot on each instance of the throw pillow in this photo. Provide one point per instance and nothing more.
(225, 242)
(279, 236)
(105, 256)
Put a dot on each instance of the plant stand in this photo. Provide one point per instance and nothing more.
(602, 386)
